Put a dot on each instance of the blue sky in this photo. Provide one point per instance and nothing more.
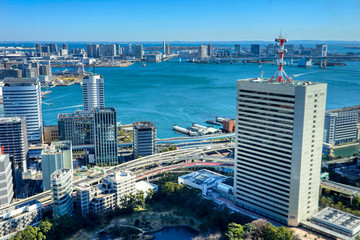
(181, 20)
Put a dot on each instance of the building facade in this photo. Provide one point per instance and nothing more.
(6, 180)
(122, 183)
(61, 187)
(138, 51)
(17, 218)
(13, 137)
(105, 136)
(108, 50)
(203, 51)
(76, 127)
(56, 156)
(144, 139)
(341, 125)
(93, 92)
(93, 50)
(279, 130)
(22, 97)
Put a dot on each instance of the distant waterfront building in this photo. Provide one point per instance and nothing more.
(45, 70)
(144, 139)
(22, 97)
(237, 49)
(153, 57)
(164, 48)
(319, 49)
(202, 51)
(10, 73)
(279, 130)
(341, 125)
(53, 47)
(65, 46)
(255, 49)
(270, 49)
(93, 50)
(31, 72)
(38, 49)
(168, 50)
(118, 49)
(56, 156)
(108, 50)
(290, 49)
(122, 183)
(6, 180)
(76, 127)
(229, 125)
(93, 92)
(209, 50)
(61, 187)
(127, 50)
(45, 51)
(105, 135)
(17, 218)
(138, 51)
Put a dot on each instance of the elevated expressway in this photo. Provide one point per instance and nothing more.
(161, 161)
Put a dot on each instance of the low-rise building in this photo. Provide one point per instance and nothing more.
(16, 218)
(202, 179)
(337, 221)
(229, 125)
(145, 187)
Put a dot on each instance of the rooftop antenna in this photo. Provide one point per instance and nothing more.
(280, 73)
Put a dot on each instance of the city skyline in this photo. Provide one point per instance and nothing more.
(188, 21)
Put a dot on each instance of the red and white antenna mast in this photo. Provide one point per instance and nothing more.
(280, 73)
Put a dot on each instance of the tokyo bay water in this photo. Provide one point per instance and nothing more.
(183, 93)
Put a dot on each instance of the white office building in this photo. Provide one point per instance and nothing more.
(22, 98)
(6, 184)
(93, 92)
(279, 131)
(123, 183)
(203, 51)
(61, 187)
(56, 156)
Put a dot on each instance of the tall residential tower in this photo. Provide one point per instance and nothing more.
(93, 92)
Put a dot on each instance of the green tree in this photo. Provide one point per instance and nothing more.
(235, 231)
(45, 226)
(275, 233)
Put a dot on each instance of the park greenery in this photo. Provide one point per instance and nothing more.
(189, 203)
(167, 149)
(340, 202)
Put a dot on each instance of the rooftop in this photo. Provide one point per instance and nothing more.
(20, 81)
(345, 109)
(57, 147)
(341, 220)
(9, 119)
(59, 174)
(203, 177)
(144, 125)
(292, 83)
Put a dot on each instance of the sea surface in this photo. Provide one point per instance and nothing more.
(183, 93)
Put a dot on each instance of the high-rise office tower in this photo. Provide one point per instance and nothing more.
(13, 137)
(168, 49)
(209, 50)
(22, 97)
(105, 135)
(61, 187)
(279, 130)
(93, 50)
(56, 156)
(127, 50)
(65, 46)
(76, 127)
(93, 92)
(6, 180)
(38, 49)
(270, 49)
(202, 51)
(237, 49)
(164, 48)
(118, 49)
(255, 49)
(144, 139)
(138, 51)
